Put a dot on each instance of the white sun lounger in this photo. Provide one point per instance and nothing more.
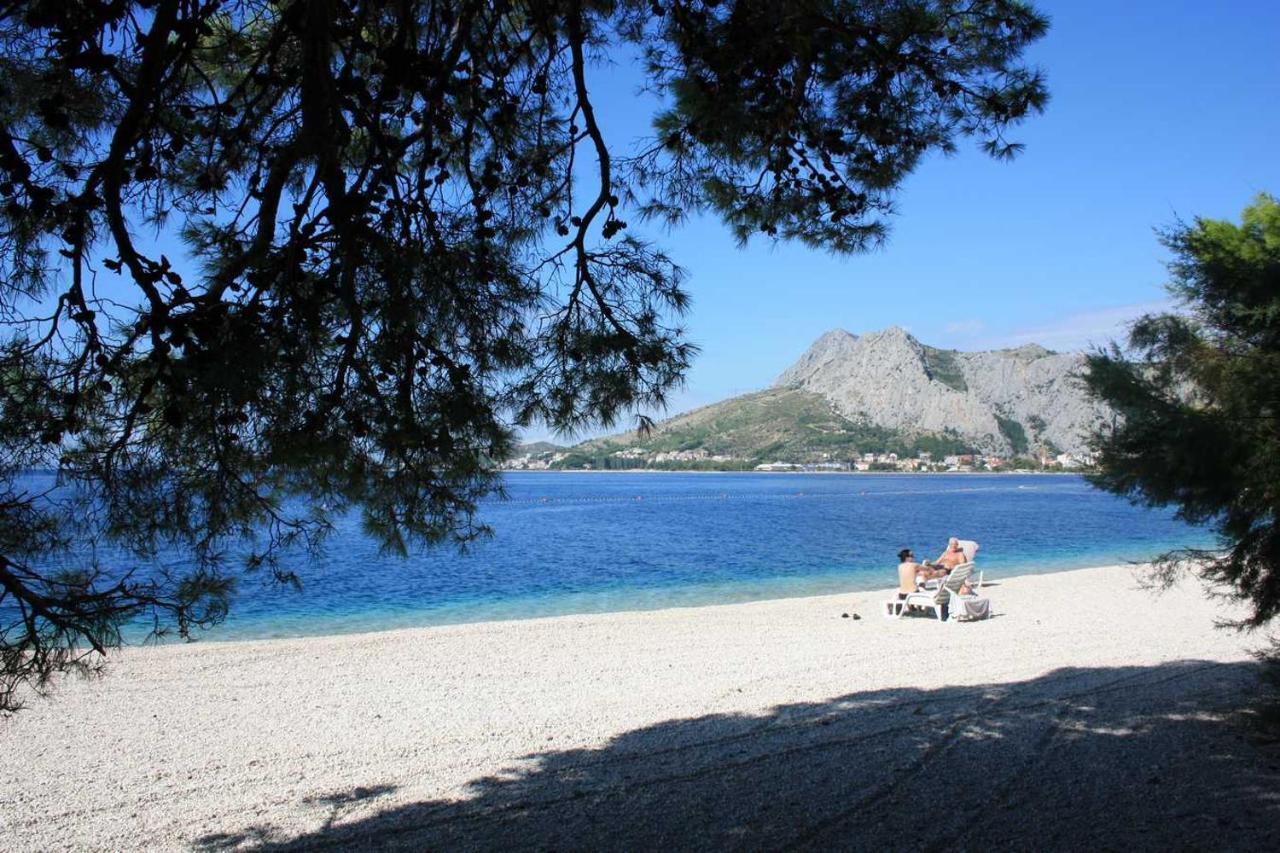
(931, 599)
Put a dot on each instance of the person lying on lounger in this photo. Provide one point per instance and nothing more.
(953, 556)
(947, 560)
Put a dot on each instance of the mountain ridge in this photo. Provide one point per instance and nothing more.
(881, 392)
(890, 379)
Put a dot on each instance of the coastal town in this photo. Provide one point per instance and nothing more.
(637, 458)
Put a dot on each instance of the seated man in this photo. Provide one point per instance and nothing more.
(951, 557)
(907, 570)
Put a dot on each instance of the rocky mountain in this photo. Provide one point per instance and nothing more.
(882, 393)
(1003, 401)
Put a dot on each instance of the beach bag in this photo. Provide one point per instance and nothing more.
(970, 607)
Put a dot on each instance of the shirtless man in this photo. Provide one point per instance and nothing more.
(947, 561)
(951, 557)
(907, 569)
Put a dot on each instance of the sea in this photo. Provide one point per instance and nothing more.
(574, 543)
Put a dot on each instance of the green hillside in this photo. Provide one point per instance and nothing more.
(537, 447)
(777, 424)
(941, 365)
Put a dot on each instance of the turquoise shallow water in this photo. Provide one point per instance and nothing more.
(583, 543)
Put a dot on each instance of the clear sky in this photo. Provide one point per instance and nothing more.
(1158, 110)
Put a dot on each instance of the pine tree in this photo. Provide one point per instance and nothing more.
(392, 254)
(1198, 404)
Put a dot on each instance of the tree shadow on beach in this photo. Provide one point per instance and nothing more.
(1158, 757)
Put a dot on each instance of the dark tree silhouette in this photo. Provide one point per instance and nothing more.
(1198, 404)
(404, 233)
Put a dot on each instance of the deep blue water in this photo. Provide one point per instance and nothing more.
(584, 542)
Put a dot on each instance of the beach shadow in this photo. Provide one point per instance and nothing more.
(247, 839)
(1134, 758)
(342, 801)
(336, 803)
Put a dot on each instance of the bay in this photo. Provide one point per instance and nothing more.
(596, 542)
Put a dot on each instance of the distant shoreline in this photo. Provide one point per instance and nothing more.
(1080, 473)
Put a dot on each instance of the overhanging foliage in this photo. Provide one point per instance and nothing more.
(403, 233)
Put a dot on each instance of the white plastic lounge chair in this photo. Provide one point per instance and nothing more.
(976, 581)
(931, 599)
(970, 550)
(969, 606)
(895, 607)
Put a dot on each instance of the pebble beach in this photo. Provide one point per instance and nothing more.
(1088, 712)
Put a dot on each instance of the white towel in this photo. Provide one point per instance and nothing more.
(970, 607)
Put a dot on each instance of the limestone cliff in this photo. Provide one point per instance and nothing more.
(1001, 401)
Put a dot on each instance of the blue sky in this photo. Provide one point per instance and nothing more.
(1158, 110)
